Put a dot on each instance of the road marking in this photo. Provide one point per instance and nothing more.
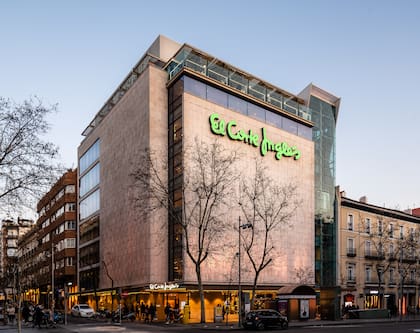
(330, 326)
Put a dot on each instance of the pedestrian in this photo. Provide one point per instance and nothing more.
(142, 310)
(167, 313)
(38, 316)
(146, 314)
(25, 313)
(152, 311)
(11, 311)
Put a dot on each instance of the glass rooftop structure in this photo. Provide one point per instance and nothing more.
(210, 67)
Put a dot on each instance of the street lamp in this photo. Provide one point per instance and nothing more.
(52, 280)
(240, 227)
(66, 298)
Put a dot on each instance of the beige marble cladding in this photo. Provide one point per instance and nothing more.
(130, 242)
(295, 244)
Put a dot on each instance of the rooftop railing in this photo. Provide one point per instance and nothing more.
(216, 70)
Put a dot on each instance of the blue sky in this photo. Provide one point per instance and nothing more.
(75, 53)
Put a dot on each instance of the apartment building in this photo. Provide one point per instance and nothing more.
(11, 231)
(48, 251)
(378, 253)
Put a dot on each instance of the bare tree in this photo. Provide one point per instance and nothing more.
(384, 250)
(196, 207)
(27, 166)
(267, 206)
(390, 250)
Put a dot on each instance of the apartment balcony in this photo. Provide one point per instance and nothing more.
(409, 259)
(375, 255)
(373, 281)
(351, 281)
(351, 252)
(410, 283)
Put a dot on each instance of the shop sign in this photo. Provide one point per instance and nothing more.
(219, 127)
(163, 286)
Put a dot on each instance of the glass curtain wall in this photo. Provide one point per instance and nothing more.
(89, 204)
(323, 133)
(175, 179)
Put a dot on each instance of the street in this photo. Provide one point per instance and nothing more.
(337, 327)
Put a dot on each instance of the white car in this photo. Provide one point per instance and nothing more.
(82, 310)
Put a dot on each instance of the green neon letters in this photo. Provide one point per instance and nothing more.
(218, 127)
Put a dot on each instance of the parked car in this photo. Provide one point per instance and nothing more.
(82, 310)
(264, 318)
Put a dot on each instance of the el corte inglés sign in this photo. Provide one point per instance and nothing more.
(220, 127)
(163, 286)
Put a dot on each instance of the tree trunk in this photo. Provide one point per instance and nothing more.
(200, 288)
(254, 289)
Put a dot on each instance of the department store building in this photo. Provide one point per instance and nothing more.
(174, 95)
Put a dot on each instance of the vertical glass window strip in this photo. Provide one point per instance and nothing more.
(89, 205)
(175, 179)
(90, 156)
(89, 180)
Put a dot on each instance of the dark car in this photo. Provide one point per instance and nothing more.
(264, 318)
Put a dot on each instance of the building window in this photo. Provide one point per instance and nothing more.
(411, 234)
(413, 276)
(391, 276)
(89, 180)
(401, 231)
(89, 205)
(367, 225)
(368, 274)
(70, 225)
(70, 207)
(380, 228)
(391, 231)
(391, 250)
(380, 275)
(367, 248)
(351, 269)
(89, 157)
(70, 189)
(351, 251)
(350, 222)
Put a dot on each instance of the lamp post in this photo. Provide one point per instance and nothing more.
(52, 280)
(66, 298)
(240, 227)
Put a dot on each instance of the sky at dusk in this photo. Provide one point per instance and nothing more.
(76, 53)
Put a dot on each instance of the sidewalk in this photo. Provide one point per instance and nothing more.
(71, 328)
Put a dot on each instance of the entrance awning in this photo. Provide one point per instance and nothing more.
(296, 291)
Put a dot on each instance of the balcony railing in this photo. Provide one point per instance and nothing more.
(375, 255)
(225, 74)
(351, 252)
(351, 281)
